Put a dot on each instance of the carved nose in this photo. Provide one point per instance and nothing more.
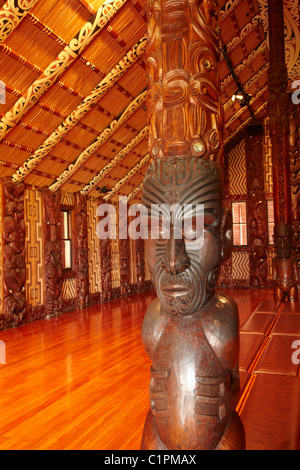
(175, 259)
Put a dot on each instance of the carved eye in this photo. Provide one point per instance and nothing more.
(193, 227)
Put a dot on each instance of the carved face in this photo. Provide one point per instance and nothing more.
(184, 270)
(283, 240)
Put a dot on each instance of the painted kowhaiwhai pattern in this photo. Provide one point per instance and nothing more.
(60, 64)
(76, 115)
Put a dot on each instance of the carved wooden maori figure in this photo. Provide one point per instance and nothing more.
(14, 269)
(52, 253)
(285, 269)
(257, 210)
(81, 249)
(190, 331)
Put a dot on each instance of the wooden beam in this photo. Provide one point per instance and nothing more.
(144, 161)
(66, 57)
(81, 110)
(11, 15)
(116, 160)
(103, 137)
(278, 106)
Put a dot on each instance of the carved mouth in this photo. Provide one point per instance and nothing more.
(176, 290)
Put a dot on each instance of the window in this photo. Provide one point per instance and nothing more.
(66, 239)
(239, 218)
(271, 222)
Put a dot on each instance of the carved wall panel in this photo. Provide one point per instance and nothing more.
(124, 259)
(257, 211)
(114, 251)
(237, 169)
(52, 253)
(105, 260)
(14, 267)
(268, 159)
(295, 179)
(140, 263)
(81, 251)
(34, 254)
(93, 248)
(105, 273)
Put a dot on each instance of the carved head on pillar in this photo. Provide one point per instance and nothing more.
(283, 240)
(185, 266)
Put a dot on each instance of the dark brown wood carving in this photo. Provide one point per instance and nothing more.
(14, 269)
(295, 179)
(105, 273)
(190, 331)
(124, 257)
(81, 251)
(140, 264)
(278, 108)
(285, 269)
(52, 253)
(257, 210)
(279, 126)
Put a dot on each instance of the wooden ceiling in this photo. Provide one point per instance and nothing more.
(74, 115)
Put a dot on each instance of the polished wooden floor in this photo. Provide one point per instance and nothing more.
(80, 381)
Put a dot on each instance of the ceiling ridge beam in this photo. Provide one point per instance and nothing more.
(117, 159)
(80, 111)
(103, 137)
(11, 15)
(127, 177)
(65, 58)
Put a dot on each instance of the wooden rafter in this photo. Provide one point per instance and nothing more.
(52, 73)
(103, 137)
(116, 160)
(80, 111)
(145, 160)
(11, 14)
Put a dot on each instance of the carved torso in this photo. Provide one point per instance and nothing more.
(192, 373)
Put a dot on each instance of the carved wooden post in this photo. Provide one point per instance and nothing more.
(278, 107)
(140, 264)
(52, 253)
(190, 332)
(285, 272)
(124, 255)
(105, 264)
(81, 251)
(14, 268)
(295, 179)
(257, 210)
